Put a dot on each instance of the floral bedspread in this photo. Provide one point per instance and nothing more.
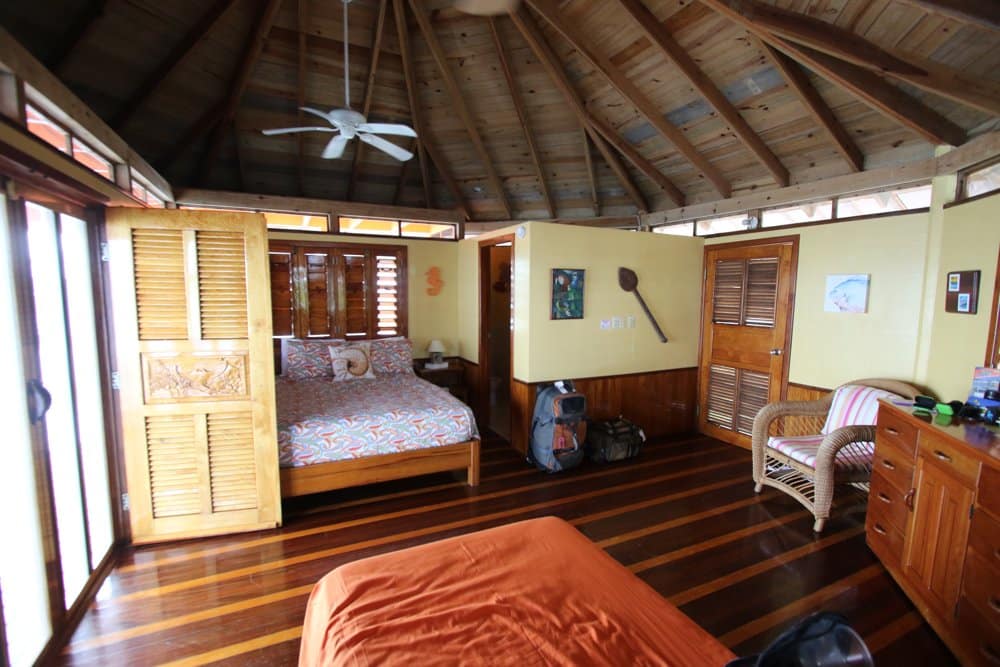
(320, 420)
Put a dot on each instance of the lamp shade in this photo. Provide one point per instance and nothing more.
(436, 346)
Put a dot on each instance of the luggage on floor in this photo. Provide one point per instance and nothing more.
(558, 428)
(614, 440)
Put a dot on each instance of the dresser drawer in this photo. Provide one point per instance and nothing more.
(984, 537)
(981, 587)
(894, 429)
(979, 640)
(989, 489)
(935, 448)
(889, 501)
(883, 537)
(895, 465)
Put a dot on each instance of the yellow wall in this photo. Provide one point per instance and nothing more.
(829, 349)
(429, 316)
(668, 268)
(958, 341)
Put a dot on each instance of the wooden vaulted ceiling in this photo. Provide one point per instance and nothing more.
(567, 109)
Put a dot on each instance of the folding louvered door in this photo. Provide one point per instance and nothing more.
(746, 322)
(193, 346)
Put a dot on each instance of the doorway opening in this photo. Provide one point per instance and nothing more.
(496, 347)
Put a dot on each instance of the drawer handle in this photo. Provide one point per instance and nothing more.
(941, 455)
(891, 431)
(888, 464)
(989, 653)
(908, 501)
(879, 529)
(884, 498)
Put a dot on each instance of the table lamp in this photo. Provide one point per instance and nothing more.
(436, 350)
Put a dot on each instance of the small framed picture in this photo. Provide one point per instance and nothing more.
(567, 294)
(963, 302)
(954, 282)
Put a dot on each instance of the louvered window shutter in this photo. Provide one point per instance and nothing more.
(318, 287)
(752, 396)
(387, 295)
(761, 292)
(356, 302)
(192, 332)
(727, 298)
(282, 312)
(722, 396)
(735, 396)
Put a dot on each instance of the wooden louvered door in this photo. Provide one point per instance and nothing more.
(746, 331)
(192, 318)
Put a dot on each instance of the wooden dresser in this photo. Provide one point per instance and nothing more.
(934, 522)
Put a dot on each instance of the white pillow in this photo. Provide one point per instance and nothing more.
(352, 361)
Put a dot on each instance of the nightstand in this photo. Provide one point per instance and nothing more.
(451, 378)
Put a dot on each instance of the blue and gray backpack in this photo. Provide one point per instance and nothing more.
(558, 428)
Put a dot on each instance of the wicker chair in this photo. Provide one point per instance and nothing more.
(807, 467)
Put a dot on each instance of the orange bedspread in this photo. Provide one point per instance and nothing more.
(531, 593)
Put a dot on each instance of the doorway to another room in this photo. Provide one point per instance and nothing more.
(495, 333)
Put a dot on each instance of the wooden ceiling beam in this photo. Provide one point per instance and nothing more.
(799, 82)
(425, 147)
(838, 42)
(177, 55)
(536, 40)
(515, 95)
(675, 53)
(251, 52)
(864, 84)
(77, 33)
(983, 13)
(369, 93)
(458, 104)
(549, 9)
(595, 203)
(302, 17)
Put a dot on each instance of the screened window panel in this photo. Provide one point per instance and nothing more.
(761, 292)
(722, 396)
(727, 302)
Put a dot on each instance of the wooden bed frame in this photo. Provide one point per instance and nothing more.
(370, 469)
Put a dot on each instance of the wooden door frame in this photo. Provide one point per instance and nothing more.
(484, 292)
(791, 239)
(992, 354)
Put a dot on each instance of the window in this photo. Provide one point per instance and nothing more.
(144, 193)
(682, 229)
(323, 290)
(398, 228)
(729, 223)
(980, 181)
(792, 215)
(297, 222)
(92, 160)
(55, 135)
(887, 201)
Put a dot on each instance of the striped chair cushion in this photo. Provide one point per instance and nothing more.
(854, 405)
(856, 457)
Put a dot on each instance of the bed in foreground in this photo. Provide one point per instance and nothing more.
(528, 593)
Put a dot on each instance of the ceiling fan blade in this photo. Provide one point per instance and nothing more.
(392, 149)
(316, 112)
(289, 130)
(335, 148)
(387, 128)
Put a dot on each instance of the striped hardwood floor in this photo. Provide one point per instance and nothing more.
(683, 517)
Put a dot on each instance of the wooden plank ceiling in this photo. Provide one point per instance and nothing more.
(639, 104)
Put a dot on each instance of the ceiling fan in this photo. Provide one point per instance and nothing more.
(348, 123)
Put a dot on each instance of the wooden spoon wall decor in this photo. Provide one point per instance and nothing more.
(629, 282)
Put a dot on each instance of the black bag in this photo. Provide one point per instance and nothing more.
(614, 440)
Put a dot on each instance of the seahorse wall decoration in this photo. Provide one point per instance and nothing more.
(434, 282)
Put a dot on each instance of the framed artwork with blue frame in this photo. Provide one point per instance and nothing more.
(567, 294)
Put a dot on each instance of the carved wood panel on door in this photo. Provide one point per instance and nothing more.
(191, 303)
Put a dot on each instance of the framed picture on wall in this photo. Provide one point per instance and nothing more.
(567, 294)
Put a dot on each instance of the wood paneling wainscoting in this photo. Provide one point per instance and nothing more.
(661, 402)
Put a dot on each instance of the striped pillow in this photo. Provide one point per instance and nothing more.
(854, 405)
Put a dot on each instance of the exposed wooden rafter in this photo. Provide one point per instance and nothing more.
(845, 45)
(157, 76)
(366, 106)
(798, 81)
(860, 82)
(549, 9)
(244, 69)
(302, 16)
(548, 59)
(458, 104)
(984, 13)
(595, 203)
(675, 53)
(77, 33)
(425, 147)
(515, 95)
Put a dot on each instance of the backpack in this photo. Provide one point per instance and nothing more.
(822, 638)
(558, 428)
